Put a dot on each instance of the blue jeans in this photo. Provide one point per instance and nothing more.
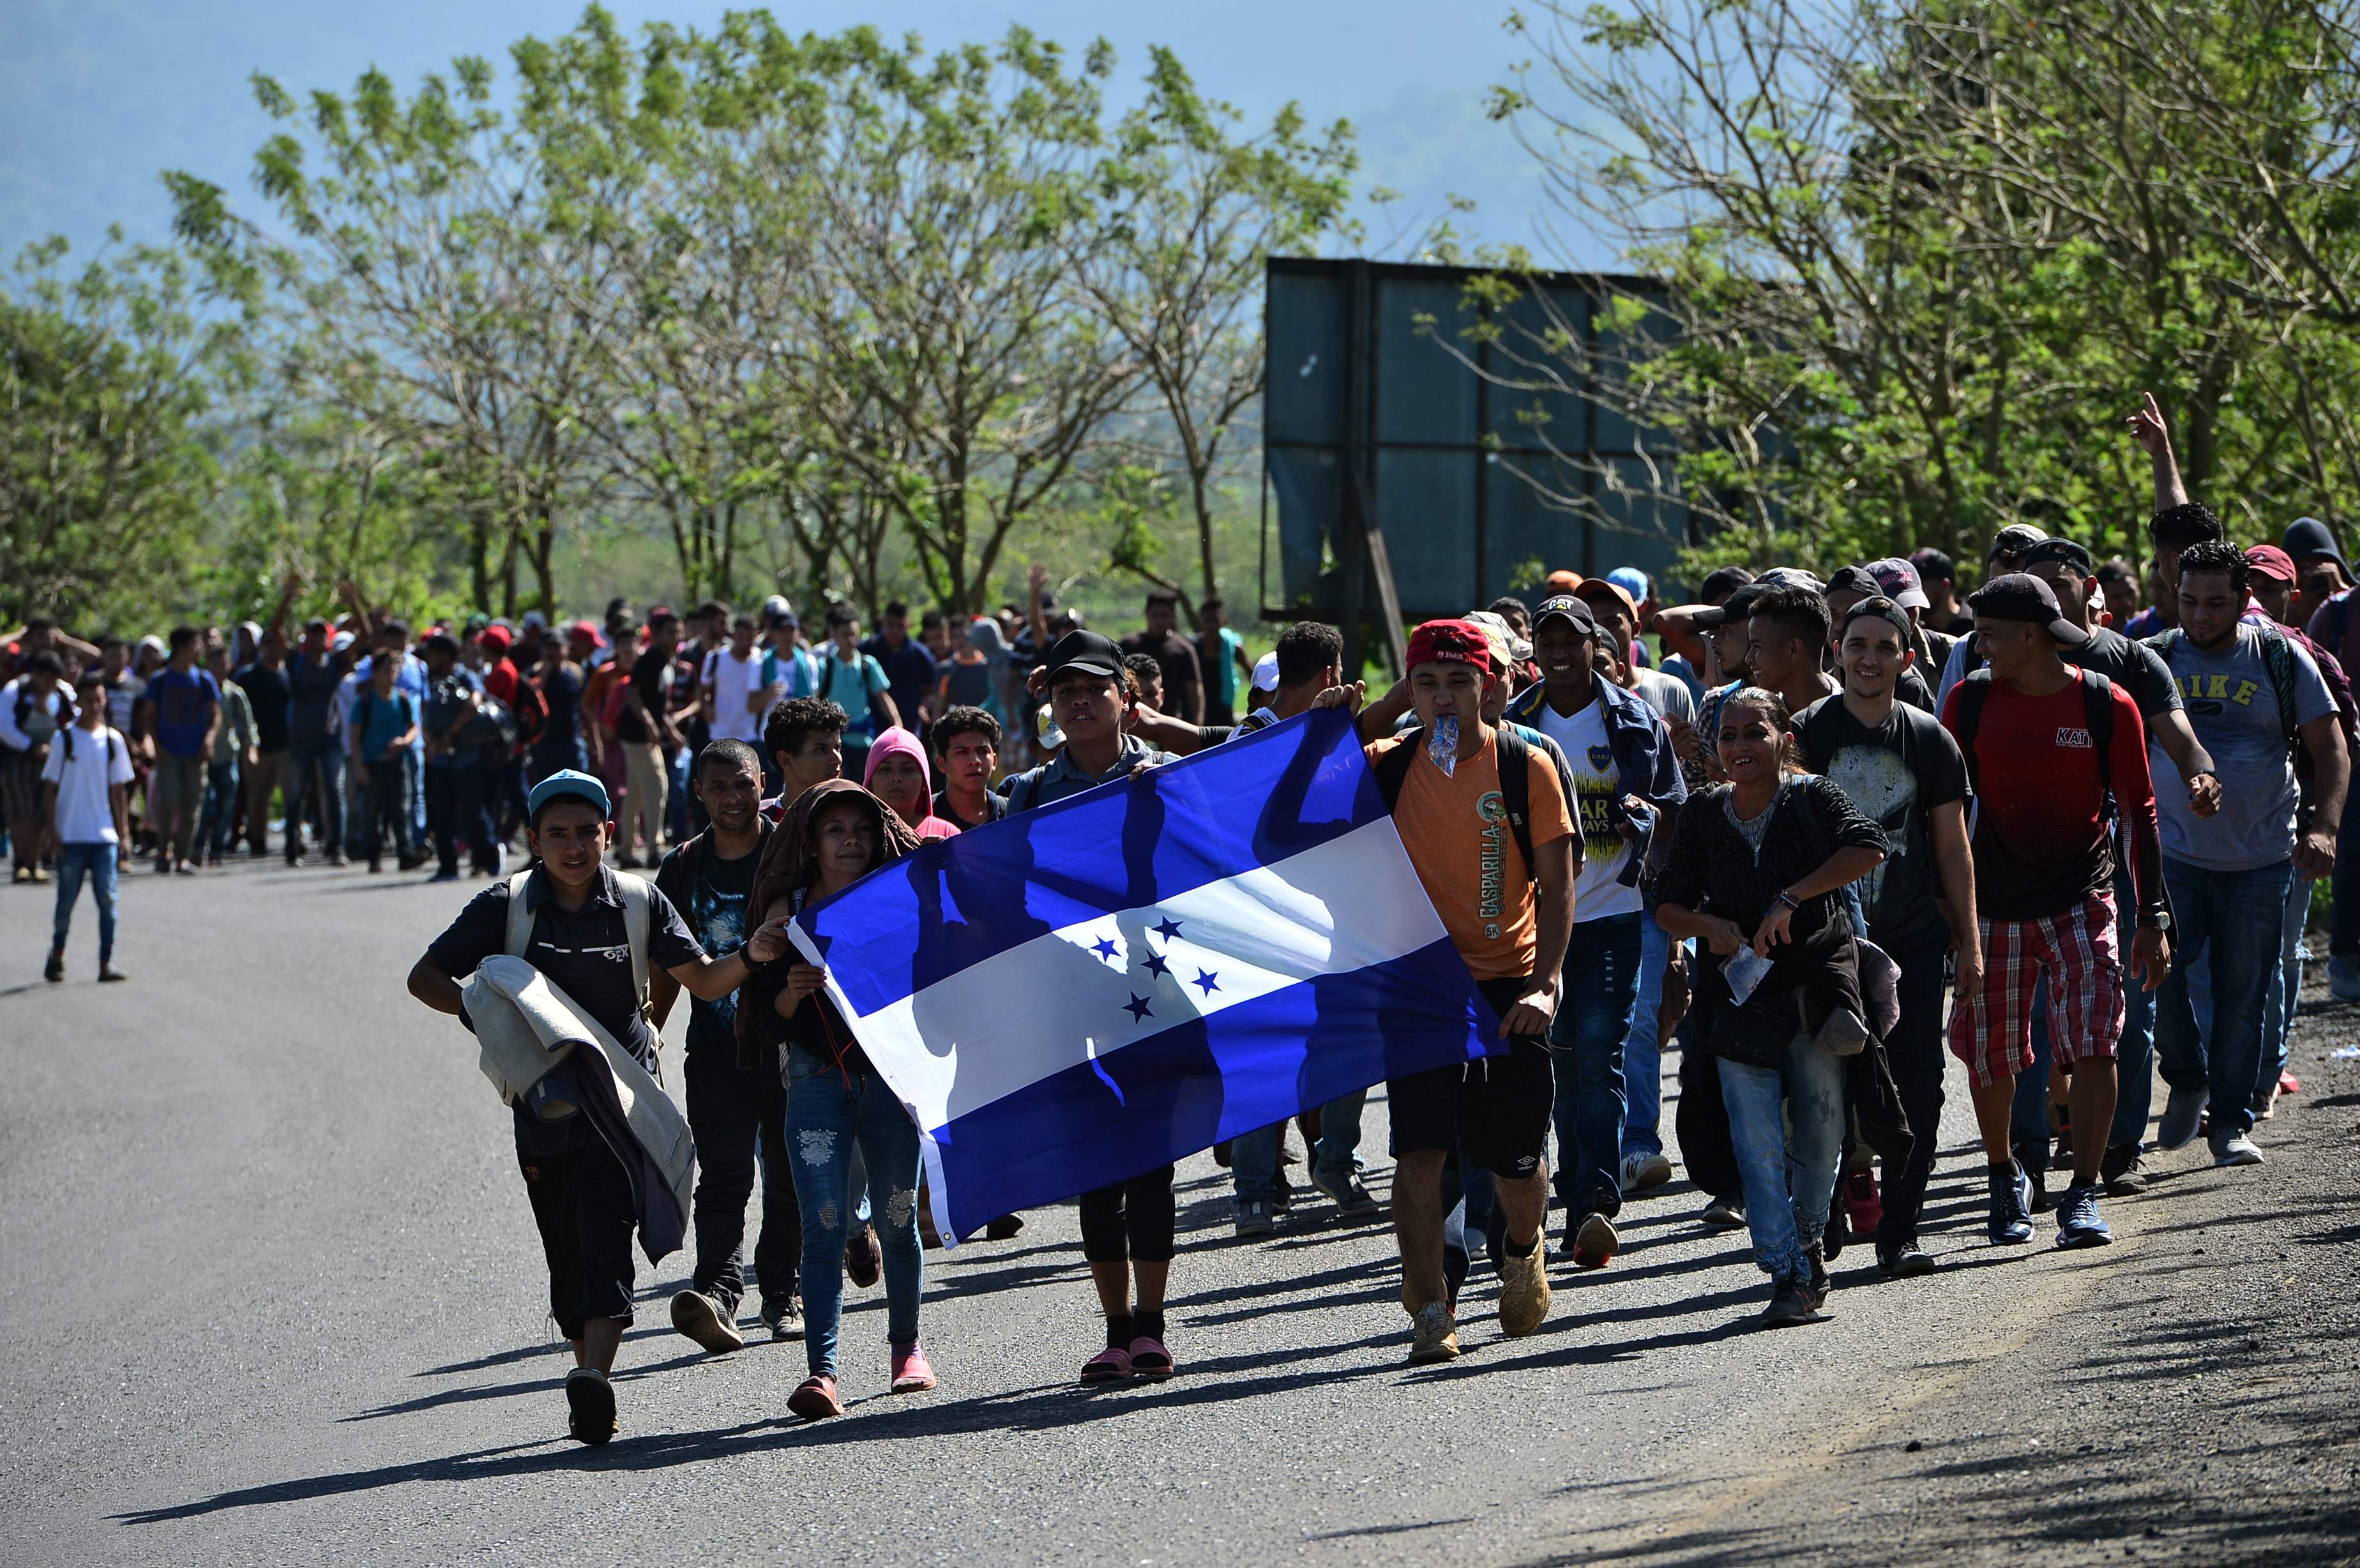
(1643, 1053)
(1600, 983)
(330, 786)
(219, 809)
(2229, 921)
(827, 1114)
(2286, 993)
(98, 861)
(1253, 1156)
(1789, 1175)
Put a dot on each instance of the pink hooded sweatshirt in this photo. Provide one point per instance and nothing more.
(897, 739)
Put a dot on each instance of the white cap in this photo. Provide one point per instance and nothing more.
(1265, 675)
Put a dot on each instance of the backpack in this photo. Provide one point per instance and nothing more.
(531, 709)
(2278, 662)
(1515, 782)
(65, 734)
(2097, 710)
(493, 725)
(639, 919)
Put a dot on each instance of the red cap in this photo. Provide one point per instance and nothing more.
(494, 637)
(587, 631)
(1450, 642)
(2269, 561)
(1561, 582)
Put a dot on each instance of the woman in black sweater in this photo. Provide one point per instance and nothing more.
(1757, 866)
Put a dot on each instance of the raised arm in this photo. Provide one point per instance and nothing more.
(2148, 429)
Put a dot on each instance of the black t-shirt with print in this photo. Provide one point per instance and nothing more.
(1895, 773)
(711, 893)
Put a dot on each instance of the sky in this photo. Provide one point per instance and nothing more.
(97, 96)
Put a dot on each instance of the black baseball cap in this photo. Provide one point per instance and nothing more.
(1741, 602)
(1086, 651)
(2070, 551)
(2013, 539)
(1565, 606)
(1854, 580)
(2020, 596)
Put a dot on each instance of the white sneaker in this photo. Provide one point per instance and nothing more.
(1644, 1173)
(2238, 1150)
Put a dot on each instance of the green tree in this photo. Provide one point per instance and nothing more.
(1173, 268)
(108, 463)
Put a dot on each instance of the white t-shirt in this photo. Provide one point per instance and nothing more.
(1597, 785)
(735, 682)
(85, 814)
(1668, 695)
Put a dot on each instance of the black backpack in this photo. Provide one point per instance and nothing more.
(2097, 714)
(1515, 780)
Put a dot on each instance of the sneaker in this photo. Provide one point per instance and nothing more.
(1523, 1292)
(1434, 1337)
(1792, 1302)
(2011, 1205)
(2182, 1115)
(1109, 1365)
(2032, 1158)
(1724, 1214)
(705, 1320)
(2077, 1224)
(108, 974)
(1281, 1193)
(40, 873)
(2238, 1150)
(1593, 1241)
(1903, 1260)
(864, 1259)
(912, 1373)
(22, 875)
(1863, 1207)
(1007, 1227)
(2343, 978)
(2118, 1171)
(1352, 1201)
(1150, 1360)
(590, 1400)
(1820, 1283)
(1254, 1219)
(444, 877)
(815, 1399)
(55, 969)
(376, 865)
(785, 1321)
(1645, 1173)
(336, 858)
(1835, 1234)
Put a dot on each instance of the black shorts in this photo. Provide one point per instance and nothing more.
(1495, 1112)
(582, 1202)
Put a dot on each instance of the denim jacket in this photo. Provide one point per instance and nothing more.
(1642, 752)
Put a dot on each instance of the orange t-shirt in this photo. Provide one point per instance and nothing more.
(1455, 830)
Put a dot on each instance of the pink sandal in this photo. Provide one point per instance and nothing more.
(1150, 1360)
(1109, 1365)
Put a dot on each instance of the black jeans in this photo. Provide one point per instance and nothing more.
(583, 1205)
(1134, 1218)
(458, 804)
(731, 1112)
(1915, 1050)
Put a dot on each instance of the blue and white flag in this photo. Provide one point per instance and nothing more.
(1076, 995)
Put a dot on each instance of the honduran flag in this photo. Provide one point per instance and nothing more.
(1081, 993)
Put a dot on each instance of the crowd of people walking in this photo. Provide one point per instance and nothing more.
(1824, 834)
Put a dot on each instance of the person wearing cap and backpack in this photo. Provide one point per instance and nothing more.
(2255, 700)
(1485, 823)
(2052, 752)
(594, 935)
(1625, 778)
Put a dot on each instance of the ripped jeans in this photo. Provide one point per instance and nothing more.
(827, 1114)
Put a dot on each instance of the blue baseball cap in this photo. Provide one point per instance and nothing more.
(568, 781)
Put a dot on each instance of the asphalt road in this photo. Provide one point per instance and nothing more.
(272, 1295)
